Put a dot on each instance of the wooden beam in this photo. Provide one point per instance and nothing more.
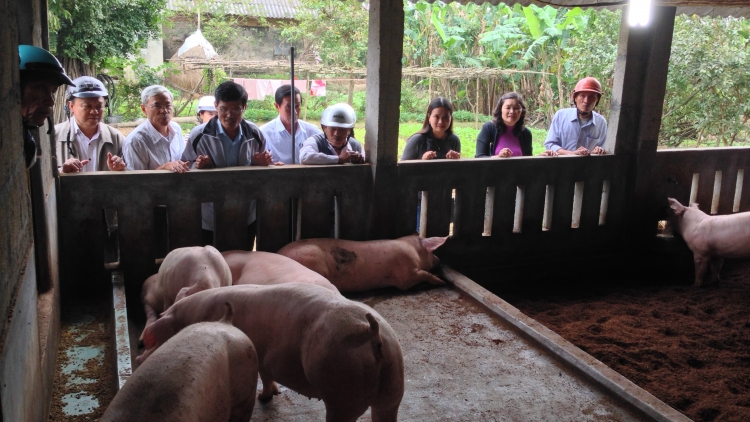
(385, 49)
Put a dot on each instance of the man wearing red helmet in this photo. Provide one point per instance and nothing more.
(579, 130)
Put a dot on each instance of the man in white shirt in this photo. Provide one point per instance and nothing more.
(157, 143)
(278, 132)
(84, 143)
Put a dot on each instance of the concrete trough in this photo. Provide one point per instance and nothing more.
(468, 356)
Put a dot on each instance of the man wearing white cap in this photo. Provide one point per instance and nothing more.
(206, 109)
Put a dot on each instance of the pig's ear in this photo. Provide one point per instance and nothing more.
(228, 314)
(432, 243)
(161, 330)
(678, 208)
(694, 205)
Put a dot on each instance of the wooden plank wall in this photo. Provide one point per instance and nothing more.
(470, 249)
(140, 197)
(674, 173)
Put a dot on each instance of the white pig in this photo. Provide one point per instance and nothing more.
(711, 238)
(207, 372)
(358, 266)
(184, 271)
(269, 268)
(308, 338)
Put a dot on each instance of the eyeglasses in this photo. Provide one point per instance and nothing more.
(226, 110)
(160, 107)
(88, 108)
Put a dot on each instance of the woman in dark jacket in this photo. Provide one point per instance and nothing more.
(506, 135)
(436, 138)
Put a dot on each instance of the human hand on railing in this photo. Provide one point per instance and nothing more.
(115, 163)
(203, 162)
(264, 158)
(356, 157)
(547, 153)
(279, 164)
(453, 155)
(429, 155)
(504, 153)
(581, 151)
(599, 151)
(72, 165)
(176, 166)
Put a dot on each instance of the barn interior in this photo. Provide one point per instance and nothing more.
(74, 240)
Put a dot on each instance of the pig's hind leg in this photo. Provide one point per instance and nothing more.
(270, 388)
(715, 266)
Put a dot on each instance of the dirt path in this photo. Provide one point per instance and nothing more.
(689, 347)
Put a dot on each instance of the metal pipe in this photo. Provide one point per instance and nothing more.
(291, 103)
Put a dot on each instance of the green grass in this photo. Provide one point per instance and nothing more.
(464, 130)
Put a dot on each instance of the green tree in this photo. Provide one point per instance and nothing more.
(341, 40)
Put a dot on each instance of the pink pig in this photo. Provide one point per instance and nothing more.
(183, 272)
(308, 338)
(711, 238)
(207, 372)
(358, 266)
(269, 268)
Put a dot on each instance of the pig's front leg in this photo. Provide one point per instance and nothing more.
(270, 388)
(701, 267)
(428, 277)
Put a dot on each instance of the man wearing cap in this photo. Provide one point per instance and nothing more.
(84, 143)
(206, 109)
(579, 130)
(41, 75)
(157, 143)
(278, 132)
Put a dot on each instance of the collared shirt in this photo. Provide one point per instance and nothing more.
(279, 140)
(231, 146)
(146, 149)
(87, 145)
(566, 131)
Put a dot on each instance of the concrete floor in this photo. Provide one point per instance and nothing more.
(464, 365)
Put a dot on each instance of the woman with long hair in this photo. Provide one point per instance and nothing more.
(436, 138)
(506, 135)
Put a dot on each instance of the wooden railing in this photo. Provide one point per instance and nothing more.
(712, 177)
(131, 220)
(529, 213)
(517, 211)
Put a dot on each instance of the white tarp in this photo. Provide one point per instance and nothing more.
(194, 40)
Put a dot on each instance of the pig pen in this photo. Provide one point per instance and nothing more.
(467, 355)
(124, 224)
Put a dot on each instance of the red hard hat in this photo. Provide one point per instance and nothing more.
(587, 84)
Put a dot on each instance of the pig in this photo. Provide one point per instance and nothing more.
(358, 266)
(308, 338)
(184, 271)
(269, 268)
(206, 372)
(711, 238)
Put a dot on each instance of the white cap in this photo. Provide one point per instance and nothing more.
(206, 104)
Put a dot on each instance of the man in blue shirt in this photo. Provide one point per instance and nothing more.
(579, 130)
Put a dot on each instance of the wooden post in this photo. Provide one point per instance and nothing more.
(636, 110)
(476, 109)
(306, 97)
(385, 49)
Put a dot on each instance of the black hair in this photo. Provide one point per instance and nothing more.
(497, 115)
(284, 91)
(436, 103)
(231, 91)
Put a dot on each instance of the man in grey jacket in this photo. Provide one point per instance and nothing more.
(227, 140)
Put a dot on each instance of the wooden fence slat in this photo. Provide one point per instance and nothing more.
(230, 222)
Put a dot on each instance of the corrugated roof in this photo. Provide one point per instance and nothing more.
(270, 9)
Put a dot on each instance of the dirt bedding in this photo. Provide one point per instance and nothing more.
(688, 347)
